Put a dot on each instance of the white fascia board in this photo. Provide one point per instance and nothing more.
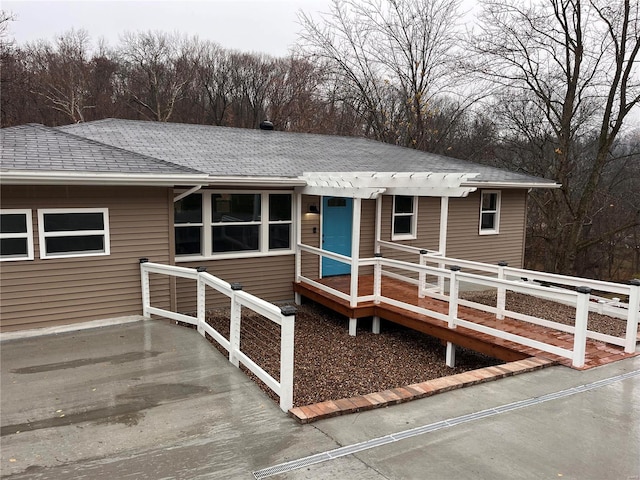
(511, 185)
(31, 177)
(99, 178)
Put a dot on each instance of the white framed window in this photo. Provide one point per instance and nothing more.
(73, 232)
(188, 225)
(219, 224)
(405, 217)
(16, 235)
(489, 212)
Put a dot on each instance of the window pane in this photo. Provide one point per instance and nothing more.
(68, 222)
(235, 207)
(337, 202)
(13, 223)
(489, 201)
(402, 225)
(189, 209)
(13, 247)
(232, 238)
(488, 221)
(404, 204)
(188, 240)
(279, 236)
(279, 207)
(80, 243)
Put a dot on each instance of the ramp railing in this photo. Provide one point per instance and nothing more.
(282, 316)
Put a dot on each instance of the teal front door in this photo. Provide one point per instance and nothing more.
(337, 217)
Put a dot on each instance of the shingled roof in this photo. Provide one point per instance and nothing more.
(235, 152)
(38, 148)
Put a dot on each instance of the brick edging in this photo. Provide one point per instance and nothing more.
(344, 406)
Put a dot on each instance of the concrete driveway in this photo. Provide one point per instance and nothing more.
(149, 400)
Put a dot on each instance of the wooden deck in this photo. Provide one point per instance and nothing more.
(597, 353)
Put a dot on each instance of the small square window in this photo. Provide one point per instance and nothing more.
(405, 218)
(489, 212)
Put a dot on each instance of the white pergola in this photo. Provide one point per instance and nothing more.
(371, 186)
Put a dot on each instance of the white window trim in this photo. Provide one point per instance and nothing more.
(42, 235)
(264, 223)
(28, 234)
(496, 226)
(414, 220)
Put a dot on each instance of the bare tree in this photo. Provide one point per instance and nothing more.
(62, 73)
(569, 68)
(157, 68)
(392, 60)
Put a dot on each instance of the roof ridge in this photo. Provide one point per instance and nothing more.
(120, 149)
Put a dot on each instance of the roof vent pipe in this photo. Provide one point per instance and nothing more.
(266, 125)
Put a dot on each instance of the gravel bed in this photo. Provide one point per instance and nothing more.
(526, 304)
(329, 364)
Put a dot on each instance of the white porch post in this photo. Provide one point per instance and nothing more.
(442, 243)
(580, 332)
(201, 304)
(633, 316)
(355, 250)
(450, 358)
(298, 230)
(501, 299)
(146, 292)
(355, 260)
(378, 223)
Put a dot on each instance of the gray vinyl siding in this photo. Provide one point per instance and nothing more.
(464, 241)
(428, 228)
(310, 262)
(57, 291)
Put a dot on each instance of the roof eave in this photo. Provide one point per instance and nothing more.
(30, 177)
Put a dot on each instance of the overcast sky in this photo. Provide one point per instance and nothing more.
(266, 26)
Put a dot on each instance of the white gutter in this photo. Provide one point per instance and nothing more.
(235, 181)
(99, 178)
(35, 177)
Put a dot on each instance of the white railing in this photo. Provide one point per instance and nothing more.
(284, 317)
(577, 298)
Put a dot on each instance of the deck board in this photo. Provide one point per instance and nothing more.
(597, 353)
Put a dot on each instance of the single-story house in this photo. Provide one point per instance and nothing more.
(80, 204)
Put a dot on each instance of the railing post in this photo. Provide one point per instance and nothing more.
(422, 276)
(632, 319)
(501, 297)
(377, 278)
(201, 301)
(454, 286)
(146, 292)
(287, 328)
(580, 333)
(234, 325)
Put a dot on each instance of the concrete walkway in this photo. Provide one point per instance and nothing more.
(149, 400)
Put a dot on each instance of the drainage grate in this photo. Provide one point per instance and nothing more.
(432, 427)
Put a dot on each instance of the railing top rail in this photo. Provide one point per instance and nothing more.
(216, 283)
(546, 292)
(183, 272)
(602, 285)
(413, 267)
(400, 246)
(486, 267)
(260, 306)
(324, 253)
